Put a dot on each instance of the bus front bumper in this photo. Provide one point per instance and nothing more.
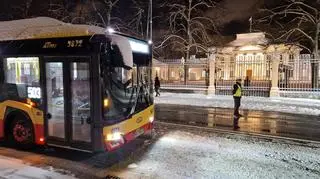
(116, 140)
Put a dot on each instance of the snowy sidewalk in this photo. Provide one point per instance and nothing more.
(183, 153)
(16, 169)
(287, 105)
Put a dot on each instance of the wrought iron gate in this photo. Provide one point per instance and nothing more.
(171, 73)
(254, 70)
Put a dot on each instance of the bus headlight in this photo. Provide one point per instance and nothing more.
(151, 119)
(115, 136)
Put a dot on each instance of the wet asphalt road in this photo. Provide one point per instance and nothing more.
(184, 153)
(84, 165)
(260, 122)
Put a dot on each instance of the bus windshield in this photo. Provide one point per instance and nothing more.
(127, 91)
(126, 70)
(119, 93)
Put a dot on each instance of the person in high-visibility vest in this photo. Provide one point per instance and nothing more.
(237, 94)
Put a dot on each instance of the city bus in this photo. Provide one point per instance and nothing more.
(74, 86)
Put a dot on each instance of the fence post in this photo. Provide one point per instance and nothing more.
(212, 69)
(226, 69)
(275, 92)
(314, 73)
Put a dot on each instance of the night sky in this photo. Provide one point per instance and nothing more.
(232, 15)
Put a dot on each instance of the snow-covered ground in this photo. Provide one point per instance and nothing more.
(278, 104)
(188, 154)
(15, 169)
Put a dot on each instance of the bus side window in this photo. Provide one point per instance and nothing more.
(19, 74)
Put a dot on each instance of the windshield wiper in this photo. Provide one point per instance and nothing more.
(133, 109)
(141, 93)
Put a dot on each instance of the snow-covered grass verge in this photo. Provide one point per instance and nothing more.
(188, 154)
(16, 169)
(278, 104)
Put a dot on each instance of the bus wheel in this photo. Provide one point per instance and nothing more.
(22, 133)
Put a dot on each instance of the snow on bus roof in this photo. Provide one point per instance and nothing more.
(43, 27)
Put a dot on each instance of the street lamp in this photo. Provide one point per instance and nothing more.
(110, 30)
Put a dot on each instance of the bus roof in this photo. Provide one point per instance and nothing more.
(44, 27)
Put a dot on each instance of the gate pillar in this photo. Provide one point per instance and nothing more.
(212, 73)
(275, 92)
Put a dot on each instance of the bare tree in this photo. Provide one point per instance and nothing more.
(189, 28)
(134, 23)
(300, 21)
(94, 12)
(79, 13)
(23, 9)
(58, 10)
(105, 11)
(138, 20)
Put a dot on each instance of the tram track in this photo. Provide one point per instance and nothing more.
(232, 132)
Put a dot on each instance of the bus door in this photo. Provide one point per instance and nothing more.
(68, 99)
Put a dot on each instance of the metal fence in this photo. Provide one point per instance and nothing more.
(259, 88)
(178, 74)
(299, 77)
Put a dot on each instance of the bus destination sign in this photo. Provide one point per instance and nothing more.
(68, 44)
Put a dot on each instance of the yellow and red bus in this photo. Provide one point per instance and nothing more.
(73, 86)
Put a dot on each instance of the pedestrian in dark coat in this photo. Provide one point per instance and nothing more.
(237, 94)
(157, 86)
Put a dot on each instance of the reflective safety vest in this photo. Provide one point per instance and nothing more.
(238, 92)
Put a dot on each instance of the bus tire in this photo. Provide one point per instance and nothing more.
(21, 133)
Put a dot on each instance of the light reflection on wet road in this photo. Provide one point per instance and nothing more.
(272, 123)
(143, 152)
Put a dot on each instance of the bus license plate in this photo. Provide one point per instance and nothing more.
(139, 132)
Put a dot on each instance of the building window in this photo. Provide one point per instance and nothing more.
(203, 75)
(241, 57)
(290, 73)
(173, 74)
(258, 59)
(291, 58)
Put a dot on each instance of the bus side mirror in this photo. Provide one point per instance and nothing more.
(120, 57)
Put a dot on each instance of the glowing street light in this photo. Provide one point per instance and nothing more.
(110, 30)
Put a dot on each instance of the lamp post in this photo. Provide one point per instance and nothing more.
(149, 25)
(151, 20)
